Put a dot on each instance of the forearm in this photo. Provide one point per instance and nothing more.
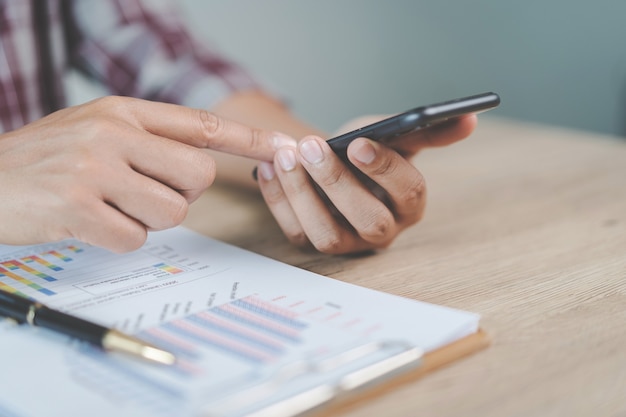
(254, 108)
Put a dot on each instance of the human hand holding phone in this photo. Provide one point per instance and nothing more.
(322, 201)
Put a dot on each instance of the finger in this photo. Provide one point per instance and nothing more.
(404, 185)
(203, 129)
(324, 231)
(153, 204)
(367, 215)
(441, 134)
(104, 226)
(278, 204)
(181, 167)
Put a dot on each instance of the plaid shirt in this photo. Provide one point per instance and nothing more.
(135, 48)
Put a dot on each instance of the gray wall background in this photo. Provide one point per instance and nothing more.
(559, 62)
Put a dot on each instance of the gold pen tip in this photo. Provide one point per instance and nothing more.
(117, 341)
(157, 355)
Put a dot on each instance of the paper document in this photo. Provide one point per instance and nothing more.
(249, 332)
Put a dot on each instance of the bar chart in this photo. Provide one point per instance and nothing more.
(251, 329)
(20, 276)
(224, 347)
(57, 273)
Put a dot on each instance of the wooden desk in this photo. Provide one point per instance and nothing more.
(525, 225)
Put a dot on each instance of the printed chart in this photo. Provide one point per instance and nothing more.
(72, 274)
(248, 332)
(249, 328)
(241, 345)
(25, 272)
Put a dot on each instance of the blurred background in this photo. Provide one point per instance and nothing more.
(560, 62)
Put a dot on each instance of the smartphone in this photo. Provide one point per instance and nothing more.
(415, 119)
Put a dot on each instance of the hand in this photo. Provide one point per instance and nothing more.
(108, 171)
(318, 200)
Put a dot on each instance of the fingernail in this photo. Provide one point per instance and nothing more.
(311, 151)
(363, 152)
(280, 139)
(286, 158)
(266, 170)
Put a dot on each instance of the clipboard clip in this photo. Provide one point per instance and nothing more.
(332, 377)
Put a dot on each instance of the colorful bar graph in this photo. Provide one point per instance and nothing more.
(249, 328)
(207, 338)
(8, 288)
(41, 261)
(22, 280)
(266, 309)
(14, 265)
(269, 326)
(237, 331)
(59, 255)
(168, 268)
(170, 342)
(75, 249)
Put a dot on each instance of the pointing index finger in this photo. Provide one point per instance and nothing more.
(203, 129)
(224, 135)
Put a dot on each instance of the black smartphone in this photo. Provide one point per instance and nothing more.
(415, 119)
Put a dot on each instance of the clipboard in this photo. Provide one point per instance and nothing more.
(358, 385)
(431, 361)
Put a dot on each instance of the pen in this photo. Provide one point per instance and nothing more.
(34, 313)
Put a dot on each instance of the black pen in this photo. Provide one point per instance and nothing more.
(34, 313)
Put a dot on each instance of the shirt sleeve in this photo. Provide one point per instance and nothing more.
(141, 48)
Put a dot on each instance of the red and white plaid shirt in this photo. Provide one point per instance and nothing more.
(132, 47)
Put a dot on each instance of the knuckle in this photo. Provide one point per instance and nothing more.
(176, 212)
(385, 167)
(333, 178)
(172, 210)
(296, 185)
(78, 199)
(413, 196)
(116, 239)
(273, 195)
(111, 101)
(115, 104)
(328, 243)
(212, 128)
(132, 241)
(180, 211)
(378, 228)
(256, 139)
(298, 238)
